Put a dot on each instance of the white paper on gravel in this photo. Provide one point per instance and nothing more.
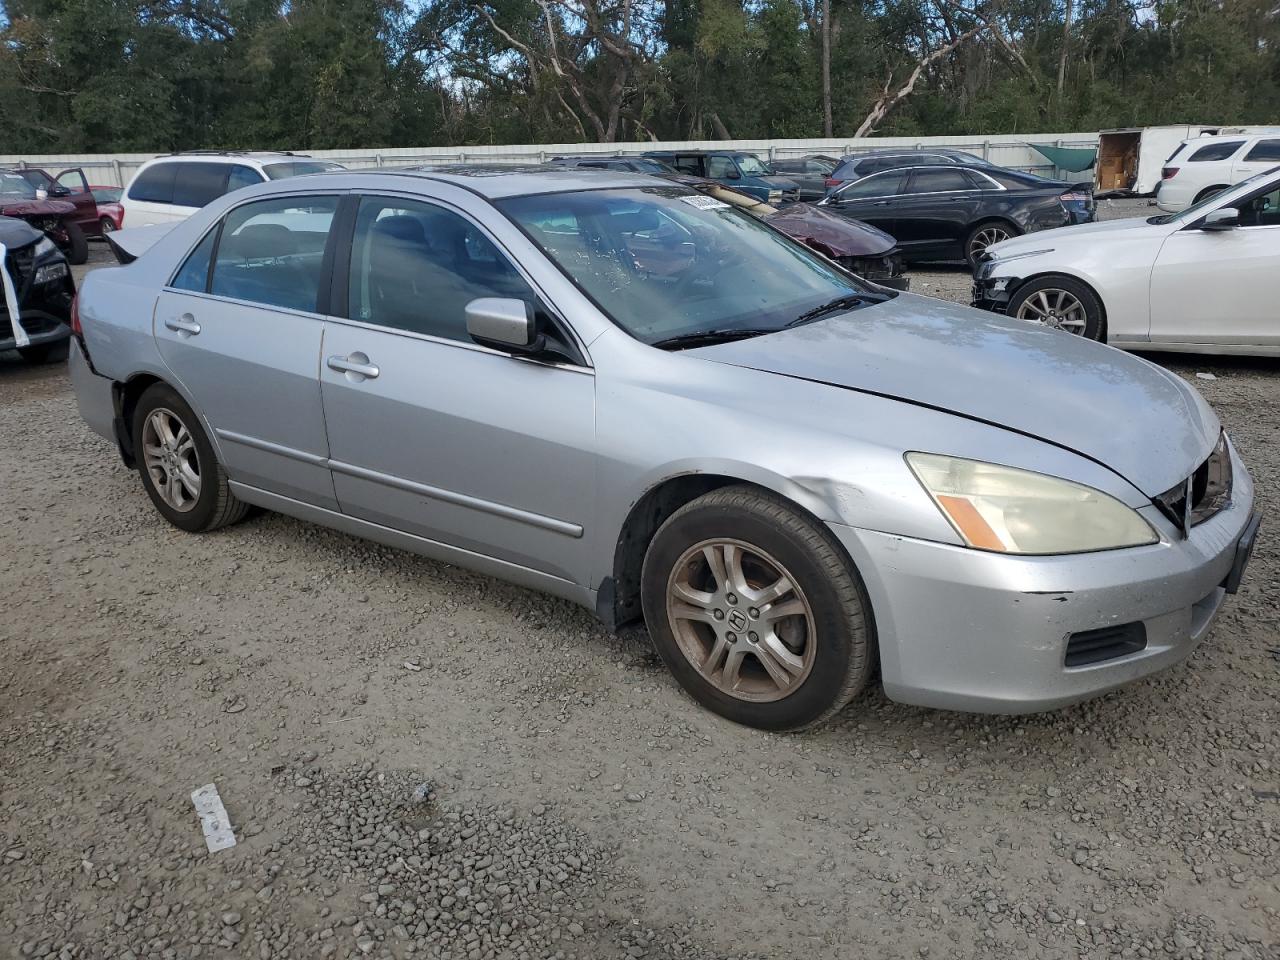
(11, 301)
(218, 834)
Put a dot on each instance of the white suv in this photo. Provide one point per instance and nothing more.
(172, 188)
(1201, 167)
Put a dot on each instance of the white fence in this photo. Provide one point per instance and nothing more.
(1009, 150)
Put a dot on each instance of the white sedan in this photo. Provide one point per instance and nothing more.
(1206, 280)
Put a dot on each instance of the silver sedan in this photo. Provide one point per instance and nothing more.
(635, 397)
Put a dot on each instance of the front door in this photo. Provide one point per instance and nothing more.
(244, 340)
(872, 200)
(1221, 286)
(86, 207)
(430, 433)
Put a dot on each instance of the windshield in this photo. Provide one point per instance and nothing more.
(16, 187)
(751, 166)
(1193, 211)
(664, 262)
(296, 168)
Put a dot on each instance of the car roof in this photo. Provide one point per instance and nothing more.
(496, 181)
(231, 156)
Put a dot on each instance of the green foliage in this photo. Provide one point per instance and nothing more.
(151, 75)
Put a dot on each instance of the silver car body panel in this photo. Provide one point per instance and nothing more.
(529, 471)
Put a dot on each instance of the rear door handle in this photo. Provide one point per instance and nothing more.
(357, 364)
(183, 324)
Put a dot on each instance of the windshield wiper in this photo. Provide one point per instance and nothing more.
(705, 338)
(847, 302)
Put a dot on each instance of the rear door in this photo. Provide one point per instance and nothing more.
(241, 327)
(873, 200)
(1262, 155)
(937, 208)
(429, 432)
(148, 199)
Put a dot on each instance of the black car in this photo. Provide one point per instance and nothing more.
(811, 172)
(863, 163)
(954, 212)
(596, 162)
(38, 285)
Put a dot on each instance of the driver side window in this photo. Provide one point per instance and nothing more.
(720, 168)
(1262, 210)
(415, 267)
(881, 185)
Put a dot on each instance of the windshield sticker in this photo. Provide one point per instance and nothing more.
(705, 203)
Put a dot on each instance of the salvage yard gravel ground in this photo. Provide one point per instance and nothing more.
(579, 805)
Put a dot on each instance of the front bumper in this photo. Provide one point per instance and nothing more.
(961, 629)
(992, 293)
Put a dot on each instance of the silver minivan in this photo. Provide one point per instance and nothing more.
(631, 395)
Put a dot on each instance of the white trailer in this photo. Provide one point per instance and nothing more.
(1129, 159)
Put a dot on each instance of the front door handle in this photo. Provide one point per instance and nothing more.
(183, 324)
(357, 366)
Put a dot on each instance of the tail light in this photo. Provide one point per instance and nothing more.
(832, 182)
(1168, 173)
(75, 316)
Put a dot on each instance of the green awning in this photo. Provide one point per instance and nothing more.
(1071, 159)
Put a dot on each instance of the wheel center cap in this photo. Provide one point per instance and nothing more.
(737, 620)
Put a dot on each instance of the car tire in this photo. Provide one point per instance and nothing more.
(77, 249)
(1062, 302)
(1208, 192)
(983, 235)
(108, 225)
(168, 437)
(809, 644)
(46, 352)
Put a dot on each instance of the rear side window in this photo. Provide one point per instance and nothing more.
(876, 164)
(1264, 150)
(938, 181)
(271, 251)
(1216, 151)
(154, 184)
(194, 274)
(881, 185)
(242, 176)
(196, 184)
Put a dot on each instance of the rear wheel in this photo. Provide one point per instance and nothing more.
(984, 235)
(1208, 192)
(108, 225)
(1061, 302)
(756, 611)
(179, 470)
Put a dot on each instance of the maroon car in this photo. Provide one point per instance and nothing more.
(110, 209)
(58, 219)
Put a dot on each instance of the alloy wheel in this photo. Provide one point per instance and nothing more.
(741, 619)
(169, 456)
(1055, 308)
(985, 238)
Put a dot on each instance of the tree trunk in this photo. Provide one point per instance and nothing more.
(1066, 45)
(826, 69)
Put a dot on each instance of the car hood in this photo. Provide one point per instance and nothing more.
(1086, 232)
(774, 181)
(36, 208)
(833, 235)
(17, 233)
(1121, 411)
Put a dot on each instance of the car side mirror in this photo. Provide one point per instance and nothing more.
(504, 324)
(1224, 218)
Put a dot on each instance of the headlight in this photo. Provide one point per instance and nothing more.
(50, 272)
(1016, 511)
(775, 195)
(44, 246)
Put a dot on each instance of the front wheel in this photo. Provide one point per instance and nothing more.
(755, 610)
(179, 470)
(77, 248)
(984, 235)
(1061, 302)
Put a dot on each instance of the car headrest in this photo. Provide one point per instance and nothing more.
(263, 240)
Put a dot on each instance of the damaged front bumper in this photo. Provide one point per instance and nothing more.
(44, 291)
(991, 292)
(963, 629)
(885, 269)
